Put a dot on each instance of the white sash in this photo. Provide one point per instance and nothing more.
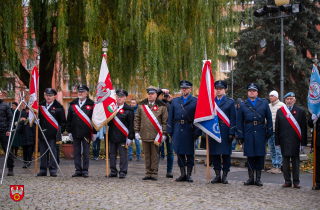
(223, 116)
(49, 117)
(155, 123)
(84, 117)
(293, 122)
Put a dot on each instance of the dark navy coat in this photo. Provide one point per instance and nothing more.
(227, 105)
(254, 135)
(182, 135)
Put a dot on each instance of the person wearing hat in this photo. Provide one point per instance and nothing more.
(150, 121)
(291, 138)
(252, 131)
(275, 152)
(182, 130)
(81, 130)
(52, 120)
(221, 152)
(119, 141)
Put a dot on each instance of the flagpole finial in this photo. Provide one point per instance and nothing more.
(105, 45)
(205, 53)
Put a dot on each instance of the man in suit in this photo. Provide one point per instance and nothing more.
(251, 118)
(227, 123)
(291, 137)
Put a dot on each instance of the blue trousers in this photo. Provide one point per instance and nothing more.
(255, 163)
(138, 149)
(96, 148)
(185, 160)
(161, 151)
(170, 155)
(275, 153)
(216, 161)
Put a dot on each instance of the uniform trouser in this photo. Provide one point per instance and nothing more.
(151, 153)
(77, 155)
(216, 160)
(43, 148)
(295, 169)
(185, 160)
(114, 148)
(4, 143)
(318, 165)
(170, 155)
(255, 163)
(27, 152)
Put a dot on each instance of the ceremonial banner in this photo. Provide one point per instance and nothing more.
(314, 92)
(104, 108)
(33, 98)
(206, 117)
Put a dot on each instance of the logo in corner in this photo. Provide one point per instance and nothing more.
(16, 192)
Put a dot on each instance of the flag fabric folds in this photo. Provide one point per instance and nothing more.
(33, 98)
(105, 107)
(314, 92)
(206, 112)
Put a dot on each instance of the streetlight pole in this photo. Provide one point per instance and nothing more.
(281, 77)
(232, 53)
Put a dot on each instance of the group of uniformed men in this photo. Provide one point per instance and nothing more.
(154, 124)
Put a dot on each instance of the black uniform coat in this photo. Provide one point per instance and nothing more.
(57, 111)
(115, 135)
(286, 136)
(28, 134)
(75, 125)
(310, 124)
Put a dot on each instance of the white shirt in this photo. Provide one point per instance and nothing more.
(151, 103)
(49, 105)
(82, 102)
(120, 107)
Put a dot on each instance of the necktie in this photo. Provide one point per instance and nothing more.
(290, 109)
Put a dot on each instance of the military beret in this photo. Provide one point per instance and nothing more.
(253, 86)
(82, 88)
(220, 84)
(290, 94)
(185, 84)
(50, 91)
(151, 89)
(122, 92)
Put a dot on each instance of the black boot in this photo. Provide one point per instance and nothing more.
(24, 165)
(217, 179)
(183, 177)
(258, 178)
(189, 172)
(250, 181)
(224, 177)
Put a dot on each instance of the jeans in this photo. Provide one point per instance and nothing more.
(170, 155)
(275, 153)
(138, 149)
(197, 143)
(96, 148)
(234, 143)
(161, 151)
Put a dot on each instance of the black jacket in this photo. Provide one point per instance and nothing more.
(286, 136)
(57, 111)
(114, 134)
(310, 124)
(5, 117)
(27, 133)
(75, 125)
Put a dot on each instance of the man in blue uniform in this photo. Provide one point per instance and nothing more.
(182, 130)
(252, 131)
(227, 123)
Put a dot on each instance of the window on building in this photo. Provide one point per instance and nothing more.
(33, 44)
(9, 86)
(245, 24)
(28, 19)
(225, 66)
(73, 88)
(30, 63)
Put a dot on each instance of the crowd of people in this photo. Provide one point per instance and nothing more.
(170, 121)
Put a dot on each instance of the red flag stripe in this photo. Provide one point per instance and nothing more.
(285, 112)
(83, 118)
(45, 114)
(153, 123)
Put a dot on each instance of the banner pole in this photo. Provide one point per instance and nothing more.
(37, 130)
(314, 154)
(107, 152)
(208, 162)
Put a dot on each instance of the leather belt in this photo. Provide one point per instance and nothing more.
(183, 122)
(254, 122)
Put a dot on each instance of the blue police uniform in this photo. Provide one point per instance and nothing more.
(182, 129)
(252, 132)
(223, 149)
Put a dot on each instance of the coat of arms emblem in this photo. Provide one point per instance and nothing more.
(16, 192)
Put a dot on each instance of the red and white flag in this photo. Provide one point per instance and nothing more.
(33, 98)
(105, 107)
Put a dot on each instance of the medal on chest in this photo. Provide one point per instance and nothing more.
(121, 111)
(155, 108)
(53, 108)
(88, 107)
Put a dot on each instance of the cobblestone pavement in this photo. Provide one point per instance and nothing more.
(98, 192)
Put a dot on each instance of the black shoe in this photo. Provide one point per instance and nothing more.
(24, 165)
(28, 165)
(250, 181)
(146, 178)
(122, 176)
(10, 172)
(113, 175)
(85, 175)
(258, 178)
(317, 187)
(53, 174)
(224, 177)
(154, 178)
(169, 174)
(189, 172)
(183, 176)
(41, 174)
(77, 175)
(217, 179)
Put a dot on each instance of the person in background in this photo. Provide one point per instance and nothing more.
(134, 106)
(96, 143)
(16, 141)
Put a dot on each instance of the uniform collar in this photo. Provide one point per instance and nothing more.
(120, 107)
(82, 102)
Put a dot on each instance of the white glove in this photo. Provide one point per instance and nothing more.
(314, 118)
(94, 137)
(137, 136)
(128, 142)
(163, 139)
(70, 136)
(302, 148)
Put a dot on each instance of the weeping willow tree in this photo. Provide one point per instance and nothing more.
(157, 41)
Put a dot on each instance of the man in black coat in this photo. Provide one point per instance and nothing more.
(51, 116)
(120, 135)
(5, 125)
(291, 136)
(80, 129)
(314, 119)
